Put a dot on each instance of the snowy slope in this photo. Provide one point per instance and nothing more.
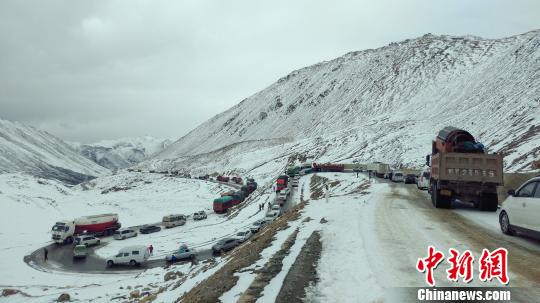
(122, 153)
(26, 149)
(387, 104)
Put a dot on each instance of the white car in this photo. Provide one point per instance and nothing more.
(124, 234)
(87, 240)
(271, 216)
(276, 208)
(242, 236)
(257, 225)
(423, 181)
(397, 176)
(521, 210)
(132, 255)
(200, 215)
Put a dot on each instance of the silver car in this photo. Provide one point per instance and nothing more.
(257, 225)
(181, 254)
(124, 234)
(225, 245)
(87, 240)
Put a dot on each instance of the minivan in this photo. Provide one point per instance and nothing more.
(397, 176)
(124, 234)
(173, 220)
(132, 255)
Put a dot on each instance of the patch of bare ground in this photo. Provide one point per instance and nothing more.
(317, 186)
(243, 256)
(303, 273)
(268, 272)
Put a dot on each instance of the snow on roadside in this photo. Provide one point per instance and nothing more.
(247, 276)
(137, 198)
(343, 269)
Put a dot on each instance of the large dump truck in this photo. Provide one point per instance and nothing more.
(379, 168)
(221, 205)
(461, 169)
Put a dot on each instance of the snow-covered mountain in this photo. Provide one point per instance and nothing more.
(122, 153)
(26, 149)
(381, 104)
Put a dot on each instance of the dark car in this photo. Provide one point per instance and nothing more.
(225, 245)
(410, 179)
(148, 229)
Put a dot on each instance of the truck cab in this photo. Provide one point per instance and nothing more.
(63, 231)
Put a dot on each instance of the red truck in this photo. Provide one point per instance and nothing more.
(328, 167)
(461, 169)
(282, 182)
(221, 205)
(222, 178)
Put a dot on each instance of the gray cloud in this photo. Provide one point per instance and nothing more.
(91, 70)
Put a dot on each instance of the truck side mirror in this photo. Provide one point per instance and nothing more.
(511, 192)
(428, 160)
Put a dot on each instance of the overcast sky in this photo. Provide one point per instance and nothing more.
(92, 70)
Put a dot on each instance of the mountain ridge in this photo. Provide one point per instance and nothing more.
(420, 84)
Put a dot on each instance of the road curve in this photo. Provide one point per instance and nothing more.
(60, 257)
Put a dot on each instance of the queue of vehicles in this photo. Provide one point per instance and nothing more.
(229, 199)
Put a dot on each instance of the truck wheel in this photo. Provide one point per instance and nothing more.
(441, 201)
(110, 263)
(488, 202)
(505, 224)
(69, 240)
(132, 262)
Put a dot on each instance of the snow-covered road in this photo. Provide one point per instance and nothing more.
(372, 242)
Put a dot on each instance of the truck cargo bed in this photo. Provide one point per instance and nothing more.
(468, 167)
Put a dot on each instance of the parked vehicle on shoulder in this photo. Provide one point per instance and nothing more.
(257, 225)
(200, 215)
(173, 220)
(423, 180)
(520, 212)
(397, 176)
(276, 208)
(132, 255)
(243, 236)
(409, 179)
(80, 251)
(87, 240)
(271, 216)
(123, 234)
(225, 245)
(182, 253)
(148, 229)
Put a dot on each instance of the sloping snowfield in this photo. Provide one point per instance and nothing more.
(32, 205)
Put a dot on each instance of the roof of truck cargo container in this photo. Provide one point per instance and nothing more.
(223, 199)
(450, 130)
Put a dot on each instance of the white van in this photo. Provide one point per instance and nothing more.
(173, 220)
(397, 176)
(423, 180)
(132, 255)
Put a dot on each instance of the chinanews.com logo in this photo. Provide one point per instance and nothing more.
(492, 265)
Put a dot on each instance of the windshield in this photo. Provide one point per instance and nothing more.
(60, 228)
